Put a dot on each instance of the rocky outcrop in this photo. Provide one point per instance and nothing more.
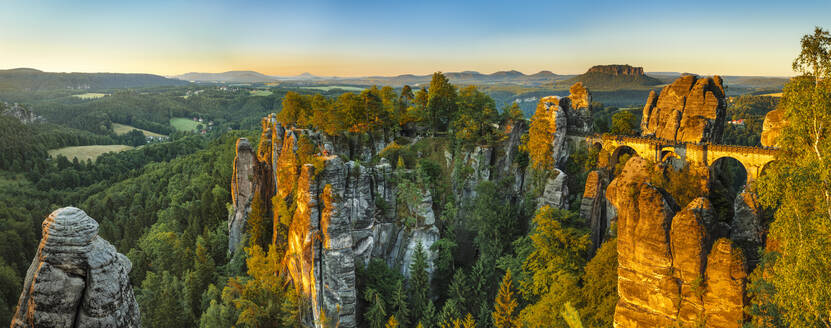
(344, 214)
(616, 70)
(580, 96)
(668, 274)
(580, 116)
(555, 192)
(691, 109)
(242, 190)
(552, 109)
(593, 206)
(746, 229)
(648, 292)
(688, 238)
(725, 277)
(774, 123)
(77, 279)
(20, 112)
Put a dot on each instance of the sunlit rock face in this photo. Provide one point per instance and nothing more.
(580, 115)
(77, 279)
(649, 294)
(772, 127)
(553, 109)
(344, 216)
(670, 272)
(242, 190)
(691, 109)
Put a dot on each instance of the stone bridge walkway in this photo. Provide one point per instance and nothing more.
(754, 159)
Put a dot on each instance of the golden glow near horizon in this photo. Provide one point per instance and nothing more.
(359, 39)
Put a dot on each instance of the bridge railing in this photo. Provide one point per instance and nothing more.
(665, 143)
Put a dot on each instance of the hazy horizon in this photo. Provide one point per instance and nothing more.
(379, 39)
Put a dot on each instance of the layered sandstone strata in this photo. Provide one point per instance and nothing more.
(77, 279)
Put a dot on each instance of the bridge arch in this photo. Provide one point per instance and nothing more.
(729, 167)
(620, 151)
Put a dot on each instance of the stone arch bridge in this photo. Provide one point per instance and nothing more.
(754, 159)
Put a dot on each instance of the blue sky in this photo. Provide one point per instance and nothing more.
(351, 38)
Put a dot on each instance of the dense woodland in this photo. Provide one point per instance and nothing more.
(504, 264)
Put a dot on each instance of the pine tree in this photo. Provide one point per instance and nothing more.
(399, 304)
(505, 304)
(376, 313)
(419, 283)
(441, 103)
(429, 317)
(459, 289)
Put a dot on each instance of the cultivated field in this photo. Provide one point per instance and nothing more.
(183, 124)
(87, 152)
(91, 95)
(123, 129)
(775, 94)
(260, 93)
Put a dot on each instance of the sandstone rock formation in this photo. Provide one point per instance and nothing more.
(345, 215)
(691, 109)
(553, 109)
(649, 294)
(77, 279)
(616, 70)
(580, 115)
(688, 238)
(20, 112)
(580, 96)
(593, 206)
(668, 274)
(242, 190)
(725, 277)
(555, 192)
(772, 127)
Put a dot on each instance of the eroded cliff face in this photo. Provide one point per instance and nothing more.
(554, 110)
(774, 123)
(77, 279)
(580, 113)
(344, 215)
(670, 272)
(691, 109)
(242, 190)
(616, 70)
(594, 207)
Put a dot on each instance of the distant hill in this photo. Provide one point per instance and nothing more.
(757, 81)
(465, 77)
(27, 79)
(246, 77)
(613, 77)
(227, 77)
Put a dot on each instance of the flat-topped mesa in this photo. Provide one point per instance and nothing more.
(77, 279)
(616, 70)
(691, 109)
